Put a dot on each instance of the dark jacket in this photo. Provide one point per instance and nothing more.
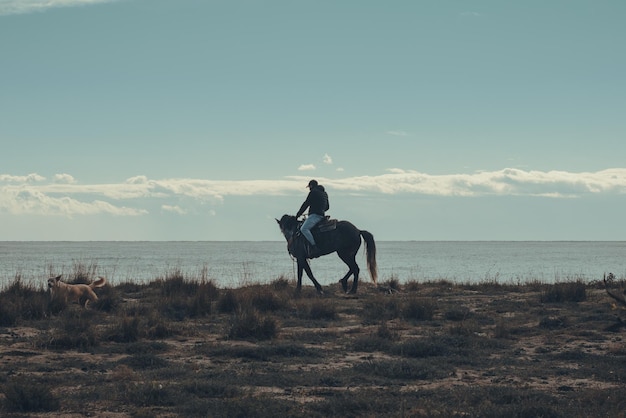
(316, 201)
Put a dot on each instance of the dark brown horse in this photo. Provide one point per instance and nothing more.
(343, 238)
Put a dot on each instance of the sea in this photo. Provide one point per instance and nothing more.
(239, 263)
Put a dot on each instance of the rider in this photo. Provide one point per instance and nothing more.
(317, 202)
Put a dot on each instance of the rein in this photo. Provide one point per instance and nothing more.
(293, 259)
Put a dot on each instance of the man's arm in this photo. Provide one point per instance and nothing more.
(304, 206)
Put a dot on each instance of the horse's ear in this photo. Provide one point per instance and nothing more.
(58, 277)
(277, 221)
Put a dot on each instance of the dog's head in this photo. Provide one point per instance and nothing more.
(54, 281)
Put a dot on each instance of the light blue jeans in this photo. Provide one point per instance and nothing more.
(309, 223)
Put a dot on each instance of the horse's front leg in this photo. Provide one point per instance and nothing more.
(309, 273)
(300, 270)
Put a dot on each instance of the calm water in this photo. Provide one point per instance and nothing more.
(239, 263)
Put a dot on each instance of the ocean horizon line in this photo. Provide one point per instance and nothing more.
(279, 241)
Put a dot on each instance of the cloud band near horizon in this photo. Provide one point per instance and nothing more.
(65, 196)
(11, 7)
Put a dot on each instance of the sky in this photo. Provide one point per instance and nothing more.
(205, 119)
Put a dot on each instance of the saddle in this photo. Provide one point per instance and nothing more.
(325, 225)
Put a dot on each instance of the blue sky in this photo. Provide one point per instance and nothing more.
(204, 120)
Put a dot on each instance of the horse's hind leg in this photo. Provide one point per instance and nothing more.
(355, 282)
(350, 261)
(309, 273)
(344, 281)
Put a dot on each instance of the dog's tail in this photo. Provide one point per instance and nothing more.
(101, 281)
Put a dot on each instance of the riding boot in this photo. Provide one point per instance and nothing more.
(312, 251)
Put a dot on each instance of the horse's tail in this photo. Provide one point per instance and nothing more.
(370, 251)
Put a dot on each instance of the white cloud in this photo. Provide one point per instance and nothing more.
(8, 7)
(327, 159)
(33, 194)
(31, 201)
(137, 180)
(174, 209)
(397, 133)
(511, 182)
(307, 167)
(64, 178)
(33, 177)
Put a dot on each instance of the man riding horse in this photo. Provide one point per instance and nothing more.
(317, 202)
(341, 237)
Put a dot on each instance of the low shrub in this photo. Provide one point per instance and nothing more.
(385, 333)
(265, 299)
(108, 299)
(413, 369)
(317, 310)
(412, 286)
(565, 292)
(381, 340)
(393, 283)
(371, 343)
(150, 394)
(465, 328)
(175, 284)
(381, 308)
(183, 299)
(281, 283)
(27, 395)
(249, 324)
(262, 352)
(145, 347)
(9, 312)
(421, 347)
(203, 389)
(144, 361)
(552, 322)
(228, 302)
(125, 331)
(157, 327)
(19, 301)
(502, 330)
(77, 330)
(459, 313)
(418, 309)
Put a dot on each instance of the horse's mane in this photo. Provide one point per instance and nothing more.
(289, 222)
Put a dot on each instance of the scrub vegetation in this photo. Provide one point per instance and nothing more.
(181, 346)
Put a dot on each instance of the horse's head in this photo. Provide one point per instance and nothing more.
(288, 225)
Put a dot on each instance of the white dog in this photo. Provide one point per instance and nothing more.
(74, 292)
